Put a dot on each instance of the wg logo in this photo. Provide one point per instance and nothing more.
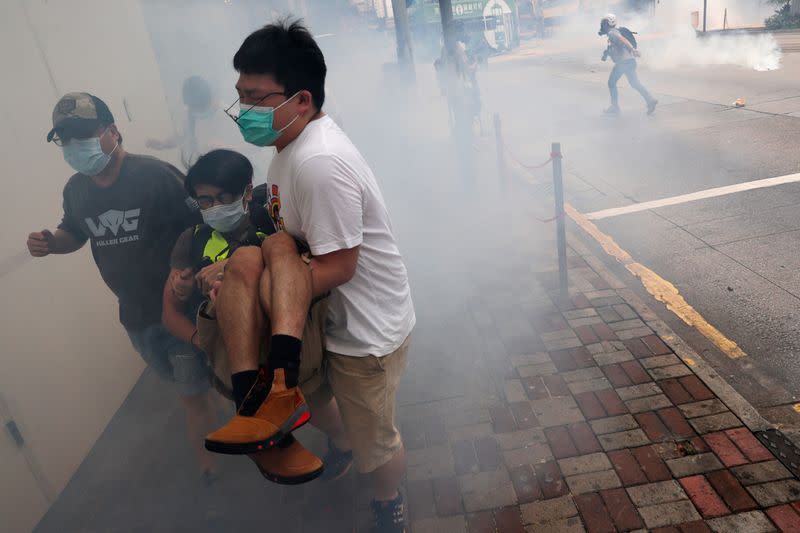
(112, 220)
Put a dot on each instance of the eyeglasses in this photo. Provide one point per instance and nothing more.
(58, 141)
(235, 118)
(63, 140)
(224, 198)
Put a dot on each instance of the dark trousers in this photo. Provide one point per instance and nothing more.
(628, 69)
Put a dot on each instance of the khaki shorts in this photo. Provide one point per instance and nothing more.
(365, 389)
(311, 378)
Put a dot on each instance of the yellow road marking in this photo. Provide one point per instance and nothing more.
(661, 289)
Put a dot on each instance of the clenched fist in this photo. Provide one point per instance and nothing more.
(40, 243)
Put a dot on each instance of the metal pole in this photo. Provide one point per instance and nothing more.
(402, 33)
(405, 57)
(498, 138)
(446, 10)
(560, 227)
(705, 8)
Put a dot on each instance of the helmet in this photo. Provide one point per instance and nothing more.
(610, 19)
(606, 23)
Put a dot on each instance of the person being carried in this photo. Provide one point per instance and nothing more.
(222, 184)
(323, 193)
(623, 53)
(132, 208)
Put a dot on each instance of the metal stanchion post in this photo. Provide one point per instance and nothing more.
(498, 137)
(561, 235)
(705, 8)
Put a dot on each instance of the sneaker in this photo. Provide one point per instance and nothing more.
(269, 413)
(337, 463)
(389, 516)
(651, 106)
(613, 110)
(288, 463)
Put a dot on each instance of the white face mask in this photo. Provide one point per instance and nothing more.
(86, 156)
(225, 217)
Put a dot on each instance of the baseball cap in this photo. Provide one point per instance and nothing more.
(79, 113)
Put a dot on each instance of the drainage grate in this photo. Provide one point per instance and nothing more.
(784, 449)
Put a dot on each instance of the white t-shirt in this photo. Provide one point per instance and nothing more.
(323, 192)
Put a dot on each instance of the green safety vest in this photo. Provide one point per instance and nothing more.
(211, 244)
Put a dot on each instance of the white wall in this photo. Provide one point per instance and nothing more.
(65, 362)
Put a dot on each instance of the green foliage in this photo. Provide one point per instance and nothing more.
(782, 18)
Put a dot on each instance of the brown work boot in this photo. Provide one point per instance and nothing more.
(288, 463)
(268, 414)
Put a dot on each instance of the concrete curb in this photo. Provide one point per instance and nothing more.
(703, 370)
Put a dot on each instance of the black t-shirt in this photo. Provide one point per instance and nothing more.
(132, 225)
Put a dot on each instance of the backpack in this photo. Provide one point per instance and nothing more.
(629, 36)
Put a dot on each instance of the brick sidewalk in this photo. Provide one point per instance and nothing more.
(520, 412)
(600, 427)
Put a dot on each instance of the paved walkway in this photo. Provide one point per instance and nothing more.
(601, 427)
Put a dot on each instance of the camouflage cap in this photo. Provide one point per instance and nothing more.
(73, 107)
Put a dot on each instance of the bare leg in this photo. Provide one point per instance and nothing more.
(290, 281)
(328, 420)
(386, 478)
(239, 312)
(200, 419)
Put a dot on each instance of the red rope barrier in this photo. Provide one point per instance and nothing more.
(553, 156)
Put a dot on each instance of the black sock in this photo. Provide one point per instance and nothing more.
(284, 352)
(242, 383)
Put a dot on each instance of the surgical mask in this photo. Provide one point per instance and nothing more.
(226, 217)
(86, 155)
(255, 123)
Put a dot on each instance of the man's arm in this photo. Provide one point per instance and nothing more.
(332, 270)
(42, 243)
(174, 320)
(330, 201)
(625, 42)
(68, 237)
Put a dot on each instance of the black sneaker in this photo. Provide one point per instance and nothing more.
(337, 463)
(389, 516)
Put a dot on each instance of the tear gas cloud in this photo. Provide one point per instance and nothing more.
(668, 39)
(452, 226)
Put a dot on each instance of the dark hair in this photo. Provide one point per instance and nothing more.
(285, 50)
(197, 92)
(226, 169)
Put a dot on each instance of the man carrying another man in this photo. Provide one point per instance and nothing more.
(324, 195)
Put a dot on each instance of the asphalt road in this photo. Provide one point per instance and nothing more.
(734, 258)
